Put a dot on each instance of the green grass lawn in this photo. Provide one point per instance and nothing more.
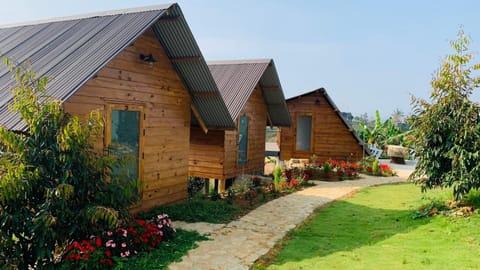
(375, 230)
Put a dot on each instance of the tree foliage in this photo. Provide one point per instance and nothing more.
(381, 133)
(53, 186)
(447, 129)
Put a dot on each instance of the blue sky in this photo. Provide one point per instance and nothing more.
(368, 54)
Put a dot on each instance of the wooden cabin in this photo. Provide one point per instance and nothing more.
(318, 128)
(254, 98)
(142, 69)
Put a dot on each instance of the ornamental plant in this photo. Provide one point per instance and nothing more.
(103, 252)
(375, 166)
(53, 185)
(370, 165)
(446, 128)
(277, 179)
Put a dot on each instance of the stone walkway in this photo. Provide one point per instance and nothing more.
(238, 244)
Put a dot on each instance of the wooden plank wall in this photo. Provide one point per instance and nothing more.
(166, 104)
(206, 156)
(256, 110)
(331, 138)
(214, 155)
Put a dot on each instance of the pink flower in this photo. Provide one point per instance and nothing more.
(127, 253)
(124, 245)
(110, 243)
(109, 233)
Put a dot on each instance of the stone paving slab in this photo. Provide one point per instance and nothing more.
(238, 244)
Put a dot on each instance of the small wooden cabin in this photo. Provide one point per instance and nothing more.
(142, 69)
(254, 98)
(318, 128)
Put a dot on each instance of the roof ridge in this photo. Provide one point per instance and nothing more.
(91, 15)
(240, 62)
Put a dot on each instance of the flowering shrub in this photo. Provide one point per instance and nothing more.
(370, 165)
(385, 170)
(100, 252)
(296, 177)
(292, 184)
(339, 169)
(345, 170)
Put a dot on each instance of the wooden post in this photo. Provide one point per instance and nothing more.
(221, 185)
(211, 184)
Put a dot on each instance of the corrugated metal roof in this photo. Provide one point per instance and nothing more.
(70, 51)
(337, 111)
(237, 80)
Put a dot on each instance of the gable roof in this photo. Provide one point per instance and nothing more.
(236, 81)
(71, 50)
(335, 109)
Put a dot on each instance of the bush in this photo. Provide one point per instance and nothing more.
(103, 251)
(196, 210)
(195, 185)
(447, 128)
(370, 165)
(53, 185)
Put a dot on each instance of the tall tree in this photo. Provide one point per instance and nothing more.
(447, 129)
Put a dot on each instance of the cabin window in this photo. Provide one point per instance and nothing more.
(304, 133)
(124, 141)
(242, 140)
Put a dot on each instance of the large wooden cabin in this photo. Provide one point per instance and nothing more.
(318, 128)
(254, 97)
(142, 69)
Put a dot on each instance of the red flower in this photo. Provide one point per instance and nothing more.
(106, 261)
(140, 222)
(98, 242)
(85, 256)
(76, 244)
(108, 253)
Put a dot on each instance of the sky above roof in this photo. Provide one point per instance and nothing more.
(367, 54)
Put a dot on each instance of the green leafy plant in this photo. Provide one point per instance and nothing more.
(382, 133)
(326, 168)
(196, 210)
(54, 186)
(230, 195)
(195, 185)
(214, 195)
(277, 179)
(375, 166)
(447, 129)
